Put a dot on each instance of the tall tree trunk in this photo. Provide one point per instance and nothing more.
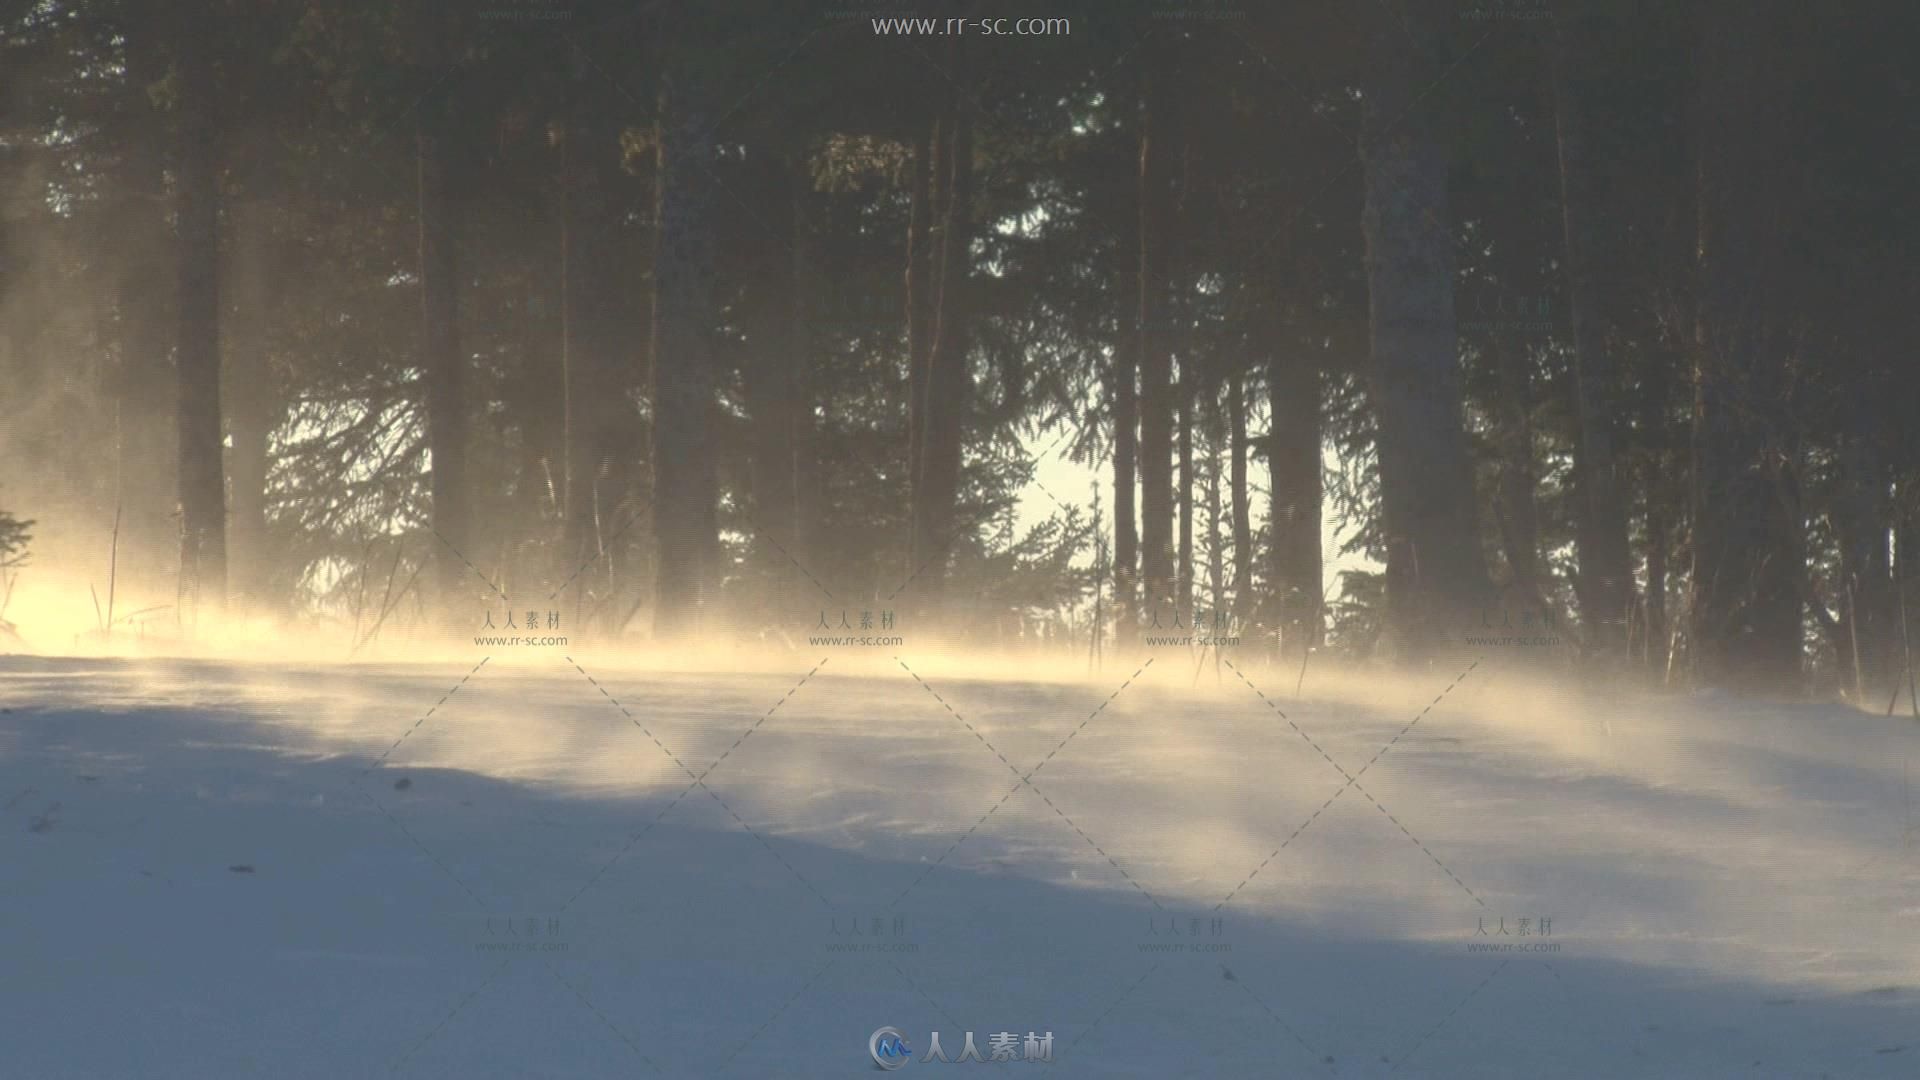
(924, 211)
(1190, 384)
(1436, 576)
(773, 378)
(203, 503)
(936, 497)
(1216, 543)
(1658, 495)
(536, 404)
(147, 437)
(1518, 518)
(1183, 576)
(1240, 511)
(252, 421)
(1906, 571)
(590, 341)
(1863, 522)
(1293, 461)
(445, 374)
(252, 400)
(685, 523)
(1605, 578)
(1125, 396)
(1158, 152)
(1747, 572)
(808, 270)
(1659, 530)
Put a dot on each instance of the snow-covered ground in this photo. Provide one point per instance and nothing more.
(551, 865)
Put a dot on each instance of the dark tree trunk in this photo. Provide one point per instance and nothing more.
(1747, 573)
(590, 344)
(1183, 583)
(252, 421)
(536, 404)
(1293, 461)
(809, 476)
(147, 437)
(1605, 578)
(1216, 543)
(936, 497)
(1863, 520)
(1519, 520)
(1157, 154)
(1435, 574)
(685, 522)
(1240, 511)
(252, 402)
(203, 503)
(924, 211)
(1906, 571)
(777, 351)
(1125, 395)
(1659, 635)
(1658, 493)
(445, 374)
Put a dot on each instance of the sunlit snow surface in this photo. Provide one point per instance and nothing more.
(218, 869)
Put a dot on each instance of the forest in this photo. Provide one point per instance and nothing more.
(718, 323)
(1366, 540)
